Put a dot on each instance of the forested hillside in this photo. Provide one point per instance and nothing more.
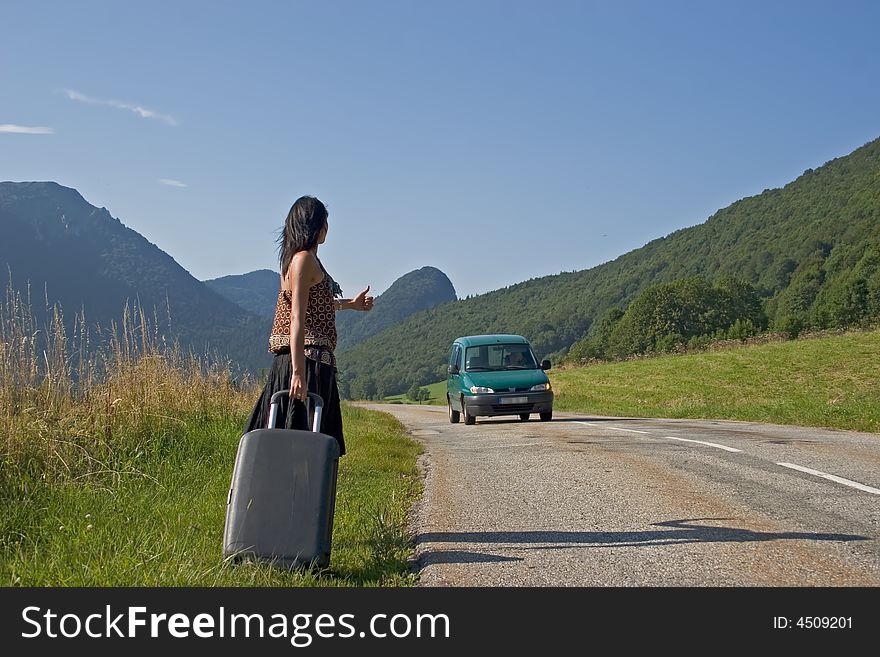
(412, 292)
(810, 249)
(256, 291)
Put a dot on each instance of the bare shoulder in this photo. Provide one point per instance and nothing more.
(304, 268)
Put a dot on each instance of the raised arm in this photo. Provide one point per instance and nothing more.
(302, 274)
(360, 302)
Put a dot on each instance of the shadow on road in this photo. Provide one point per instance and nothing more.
(678, 532)
(461, 556)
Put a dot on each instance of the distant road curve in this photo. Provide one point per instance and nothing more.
(597, 501)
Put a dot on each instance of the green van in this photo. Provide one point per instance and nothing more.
(496, 375)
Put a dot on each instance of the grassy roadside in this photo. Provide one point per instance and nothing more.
(831, 381)
(115, 465)
(158, 521)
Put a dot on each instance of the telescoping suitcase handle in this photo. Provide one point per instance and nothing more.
(275, 404)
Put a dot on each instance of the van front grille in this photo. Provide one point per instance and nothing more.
(512, 408)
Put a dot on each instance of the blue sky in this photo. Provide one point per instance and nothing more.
(498, 141)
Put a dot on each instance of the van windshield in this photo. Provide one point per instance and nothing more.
(494, 357)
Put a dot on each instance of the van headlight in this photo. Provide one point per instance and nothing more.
(481, 390)
(541, 387)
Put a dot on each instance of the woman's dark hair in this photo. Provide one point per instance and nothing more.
(304, 222)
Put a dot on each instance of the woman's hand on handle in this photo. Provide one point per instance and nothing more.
(298, 388)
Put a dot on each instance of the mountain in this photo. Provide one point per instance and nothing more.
(412, 292)
(59, 245)
(812, 249)
(256, 291)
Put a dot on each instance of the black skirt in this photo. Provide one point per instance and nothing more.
(321, 379)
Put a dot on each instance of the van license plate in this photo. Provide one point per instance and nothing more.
(513, 400)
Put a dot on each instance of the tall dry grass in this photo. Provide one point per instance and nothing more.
(117, 452)
(72, 407)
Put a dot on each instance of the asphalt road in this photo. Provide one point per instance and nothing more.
(596, 501)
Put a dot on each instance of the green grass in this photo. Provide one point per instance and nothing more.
(155, 518)
(437, 390)
(831, 381)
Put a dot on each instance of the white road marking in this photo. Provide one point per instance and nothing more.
(617, 428)
(703, 442)
(817, 473)
(831, 477)
(686, 440)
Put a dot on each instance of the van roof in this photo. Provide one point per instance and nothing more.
(494, 338)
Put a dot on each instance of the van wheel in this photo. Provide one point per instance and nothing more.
(524, 417)
(546, 417)
(453, 414)
(468, 418)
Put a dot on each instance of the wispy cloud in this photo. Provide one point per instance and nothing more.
(172, 183)
(141, 111)
(25, 130)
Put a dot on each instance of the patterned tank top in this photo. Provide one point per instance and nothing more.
(320, 321)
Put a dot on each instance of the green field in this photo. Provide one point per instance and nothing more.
(157, 520)
(831, 381)
(437, 390)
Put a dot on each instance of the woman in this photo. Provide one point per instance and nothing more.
(304, 331)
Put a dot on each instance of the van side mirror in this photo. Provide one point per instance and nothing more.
(452, 369)
(545, 365)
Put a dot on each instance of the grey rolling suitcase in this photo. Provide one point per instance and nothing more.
(283, 494)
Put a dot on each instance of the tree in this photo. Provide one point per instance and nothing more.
(418, 394)
(668, 315)
(363, 387)
(343, 385)
(595, 343)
